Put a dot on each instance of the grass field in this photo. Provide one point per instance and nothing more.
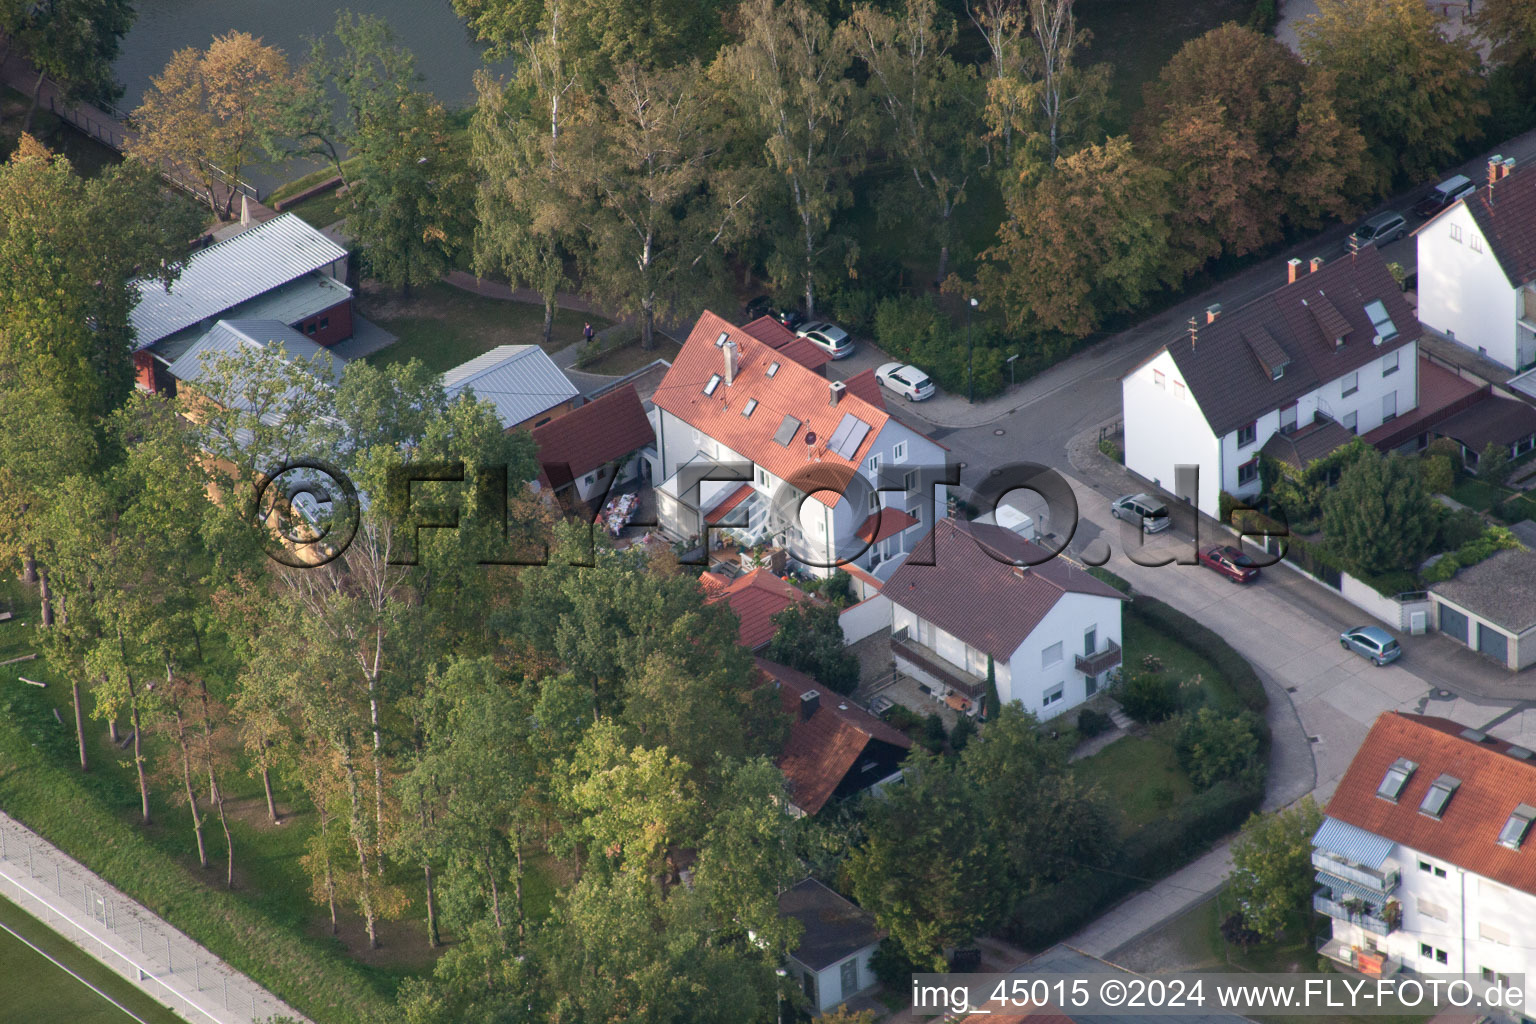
(444, 326)
(36, 990)
(1141, 639)
(632, 357)
(1139, 775)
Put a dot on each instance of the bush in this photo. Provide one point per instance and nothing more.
(1091, 723)
(904, 718)
(1212, 747)
(1448, 448)
(1054, 912)
(1438, 473)
(852, 307)
(1265, 16)
(1103, 575)
(1458, 528)
(890, 963)
(915, 330)
(933, 732)
(1238, 934)
(961, 734)
(1493, 463)
(1490, 542)
(1149, 697)
(1110, 449)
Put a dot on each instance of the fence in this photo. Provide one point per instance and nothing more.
(125, 936)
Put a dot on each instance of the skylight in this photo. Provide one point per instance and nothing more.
(1439, 795)
(1381, 320)
(724, 336)
(1396, 778)
(750, 407)
(773, 368)
(714, 382)
(1519, 823)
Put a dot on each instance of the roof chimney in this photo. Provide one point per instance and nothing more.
(810, 700)
(1317, 263)
(1292, 271)
(837, 388)
(245, 209)
(1508, 167)
(729, 349)
(1495, 168)
(1212, 312)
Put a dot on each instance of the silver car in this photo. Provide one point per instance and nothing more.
(828, 337)
(1371, 642)
(1143, 509)
(1382, 228)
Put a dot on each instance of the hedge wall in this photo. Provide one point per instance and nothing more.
(1245, 682)
(1055, 912)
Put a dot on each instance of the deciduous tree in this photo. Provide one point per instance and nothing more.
(1422, 115)
(74, 42)
(1272, 865)
(209, 111)
(1379, 517)
(809, 637)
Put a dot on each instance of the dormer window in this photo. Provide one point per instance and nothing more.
(714, 382)
(1381, 320)
(1277, 372)
(1439, 796)
(1396, 778)
(1514, 831)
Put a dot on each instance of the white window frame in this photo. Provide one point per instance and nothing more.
(1160, 379)
(763, 477)
(1350, 383)
(874, 502)
(1051, 655)
(1390, 363)
(1351, 422)
(1053, 695)
(1455, 232)
(1389, 406)
(873, 463)
(899, 452)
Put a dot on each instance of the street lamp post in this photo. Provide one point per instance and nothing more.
(970, 355)
(782, 973)
(1011, 360)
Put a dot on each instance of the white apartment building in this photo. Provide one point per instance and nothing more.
(848, 478)
(1477, 269)
(1426, 860)
(1331, 354)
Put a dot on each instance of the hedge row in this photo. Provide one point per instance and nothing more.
(1209, 645)
(66, 809)
(1055, 912)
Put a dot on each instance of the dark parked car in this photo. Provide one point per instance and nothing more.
(1231, 563)
(764, 306)
(1371, 642)
(1444, 194)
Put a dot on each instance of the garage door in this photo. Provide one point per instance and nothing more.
(1453, 623)
(1492, 643)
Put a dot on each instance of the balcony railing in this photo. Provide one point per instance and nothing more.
(930, 662)
(1323, 903)
(1384, 882)
(1362, 960)
(1099, 661)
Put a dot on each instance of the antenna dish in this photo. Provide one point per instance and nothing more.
(810, 438)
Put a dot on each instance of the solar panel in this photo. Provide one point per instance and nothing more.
(850, 433)
(787, 430)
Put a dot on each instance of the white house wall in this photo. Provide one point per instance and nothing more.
(1463, 292)
(1163, 430)
(1027, 681)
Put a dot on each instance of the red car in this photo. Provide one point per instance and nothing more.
(1231, 563)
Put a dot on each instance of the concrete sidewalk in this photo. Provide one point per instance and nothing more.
(170, 967)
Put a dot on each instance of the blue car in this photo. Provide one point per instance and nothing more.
(1371, 642)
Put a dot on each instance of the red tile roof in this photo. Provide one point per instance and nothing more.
(866, 387)
(886, 523)
(776, 336)
(1506, 214)
(980, 597)
(1493, 783)
(756, 598)
(599, 432)
(733, 499)
(712, 583)
(793, 391)
(821, 749)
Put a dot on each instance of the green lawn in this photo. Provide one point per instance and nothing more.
(632, 357)
(322, 211)
(1140, 639)
(38, 991)
(1478, 494)
(444, 326)
(1139, 776)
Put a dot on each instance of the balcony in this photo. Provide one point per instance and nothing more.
(931, 663)
(1324, 903)
(1099, 661)
(1384, 882)
(1365, 961)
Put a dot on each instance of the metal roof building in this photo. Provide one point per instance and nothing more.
(520, 380)
(230, 336)
(233, 271)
